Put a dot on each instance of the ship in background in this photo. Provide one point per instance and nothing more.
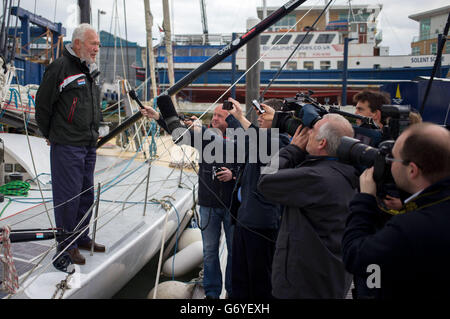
(318, 62)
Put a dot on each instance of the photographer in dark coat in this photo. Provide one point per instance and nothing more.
(216, 183)
(316, 190)
(257, 218)
(409, 257)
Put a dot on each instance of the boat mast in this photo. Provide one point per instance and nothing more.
(168, 44)
(85, 11)
(264, 9)
(150, 55)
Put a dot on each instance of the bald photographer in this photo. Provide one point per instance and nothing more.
(409, 256)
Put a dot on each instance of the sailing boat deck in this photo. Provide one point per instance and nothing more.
(131, 238)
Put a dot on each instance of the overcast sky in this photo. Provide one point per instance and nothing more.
(223, 16)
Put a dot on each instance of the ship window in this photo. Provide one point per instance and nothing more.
(291, 65)
(308, 65)
(447, 47)
(340, 65)
(325, 65)
(8, 167)
(307, 40)
(265, 38)
(19, 168)
(284, 40)
(197, 52)
(162, 51)
(211, 51)
(275, 65)
(433, 48)
(425, 26)
(416, 50)
(181, 51)
(325, 38)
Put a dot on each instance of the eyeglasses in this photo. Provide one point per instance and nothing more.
(390, 159)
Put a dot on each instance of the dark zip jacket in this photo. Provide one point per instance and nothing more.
(67, 103)
(256, 210)
(316, 191)
(412, 250)
(211, 191)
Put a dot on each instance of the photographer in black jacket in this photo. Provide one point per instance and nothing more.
(410, 256)
(315, 189)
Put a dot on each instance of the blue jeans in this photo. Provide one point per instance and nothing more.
(212, 218)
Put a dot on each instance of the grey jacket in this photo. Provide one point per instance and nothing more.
(316, 192)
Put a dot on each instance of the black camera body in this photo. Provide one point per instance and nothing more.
(352, 151)
(396, 118)
(215, 170)
(227, 105)
(300, 110)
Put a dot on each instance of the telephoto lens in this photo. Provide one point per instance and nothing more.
(353, 151)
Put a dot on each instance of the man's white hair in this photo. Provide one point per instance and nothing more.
(336, 127)
(80, 31)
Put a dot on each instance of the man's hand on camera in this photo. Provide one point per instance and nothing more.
(300, 137)
(393, 202)
(225, 175)
(268, 115)
(236, 111)
(193, 122)
(149, 112)
(238, 114)
(366, 182)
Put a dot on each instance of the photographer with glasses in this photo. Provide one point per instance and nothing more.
(409, 256)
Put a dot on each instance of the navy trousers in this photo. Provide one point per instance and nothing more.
(72, 169)
(251, 272)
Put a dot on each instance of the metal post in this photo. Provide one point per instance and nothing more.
(146, 188)
(233, 68)
(99, 12)
(94, 231)
(252, 78)
(345, 72)
(438, 70)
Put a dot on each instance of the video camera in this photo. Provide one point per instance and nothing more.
(304, 109)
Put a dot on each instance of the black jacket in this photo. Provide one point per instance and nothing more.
(316, 192)
(255, 210)
(210, 189)
(67, 103)
(412, 249)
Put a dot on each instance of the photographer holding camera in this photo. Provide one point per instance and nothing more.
(216, 184)
(258, 218)
(315, 189)
(409, 256)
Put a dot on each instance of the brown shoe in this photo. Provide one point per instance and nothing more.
(76, 257)
(97, 247)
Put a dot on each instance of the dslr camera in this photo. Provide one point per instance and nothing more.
(215, 170)
(354, 152)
